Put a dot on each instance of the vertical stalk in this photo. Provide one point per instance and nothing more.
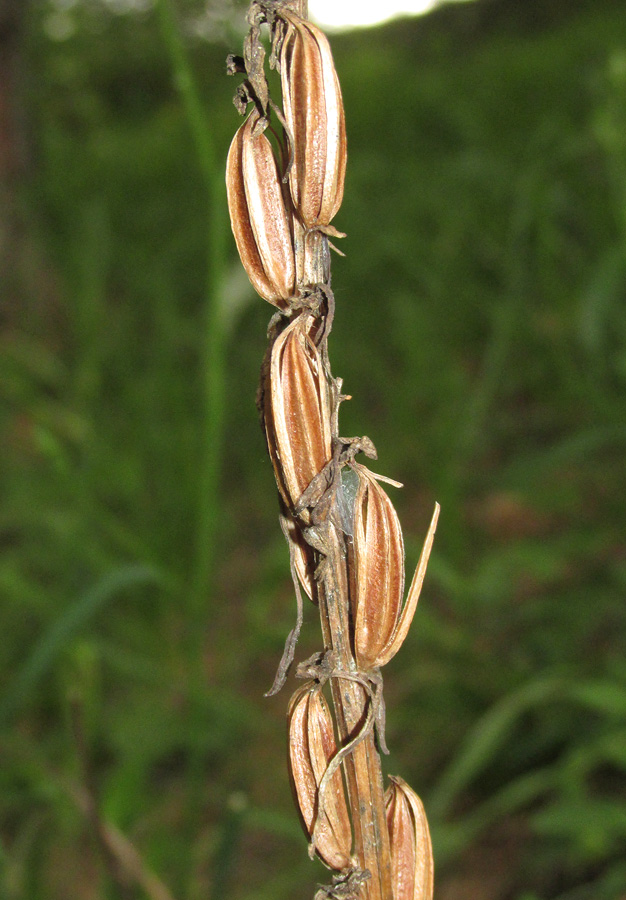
(214, 337)
(212, 366)
(281, 212)
(350, 701)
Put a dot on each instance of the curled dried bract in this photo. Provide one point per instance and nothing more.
(297, 410)
(258, 215)
(381, 621)
(302, 554)
(412, 867)
(314, 112)
(311, 747)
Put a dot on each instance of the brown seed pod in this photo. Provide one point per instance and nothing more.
(297, 410)
(311, 747)
(381, 622)
(412, 867)
(314, 112)
(379, 570)
(258, 216)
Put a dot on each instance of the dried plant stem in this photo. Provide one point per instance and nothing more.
(350, 700)
(347, 552)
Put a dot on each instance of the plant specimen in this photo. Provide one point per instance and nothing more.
(285, 177)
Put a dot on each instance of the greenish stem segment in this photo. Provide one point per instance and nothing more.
(212, 413)
(214, 346)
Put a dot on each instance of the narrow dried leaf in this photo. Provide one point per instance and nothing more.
(311, 747)
(258, 215)
(304, 562)
(412, 867)
(314, 113)
(408, 611)
(297, 411)
(379, 564)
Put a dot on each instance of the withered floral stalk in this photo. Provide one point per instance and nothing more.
(285, 176)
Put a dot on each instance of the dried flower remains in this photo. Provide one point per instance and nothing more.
(311, 748)
(259, 219)
(314, 112)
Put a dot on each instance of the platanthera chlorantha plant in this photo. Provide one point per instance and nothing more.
(285, 177)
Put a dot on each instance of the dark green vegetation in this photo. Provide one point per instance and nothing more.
(481, 328)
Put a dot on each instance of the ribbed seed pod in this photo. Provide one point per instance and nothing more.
(258, 216)
(379, 570)
(297, 410)
(412, 867)
(314, 112)
(381, 622)
(311, 747)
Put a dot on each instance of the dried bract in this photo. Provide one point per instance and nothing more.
(258, 215)
(311, 747)
(303, 559)
(381, 622)
(314, 112)
(297, 410)
(412, 867)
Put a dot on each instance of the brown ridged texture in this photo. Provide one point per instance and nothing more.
(379, 563)
(314, 112)
(297, 416)
(381, 622)
(311, 747)
(258, 216)
(412, 867)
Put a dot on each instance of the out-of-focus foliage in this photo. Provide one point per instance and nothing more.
(481, 330)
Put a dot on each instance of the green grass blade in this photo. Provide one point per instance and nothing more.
(76, 617)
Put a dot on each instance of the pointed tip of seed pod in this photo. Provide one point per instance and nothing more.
(408, 610)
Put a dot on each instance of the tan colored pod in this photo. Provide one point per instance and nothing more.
(311, 747)
(412, 867)
(297, 410)
(259, 219)
(381, 621)
(379, 570)
(313, 109)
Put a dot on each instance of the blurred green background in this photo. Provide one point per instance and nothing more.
(481, 329)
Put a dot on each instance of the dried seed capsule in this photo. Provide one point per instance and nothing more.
(379, 570)
(381, 622)
(297, 410)
(314, 113)
(311, 747)
(259, 219)
(412, 867)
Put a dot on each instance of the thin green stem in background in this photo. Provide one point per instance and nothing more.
(214, 338)
(211, 419)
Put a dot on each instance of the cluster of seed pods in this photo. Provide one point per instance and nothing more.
(283, 193)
